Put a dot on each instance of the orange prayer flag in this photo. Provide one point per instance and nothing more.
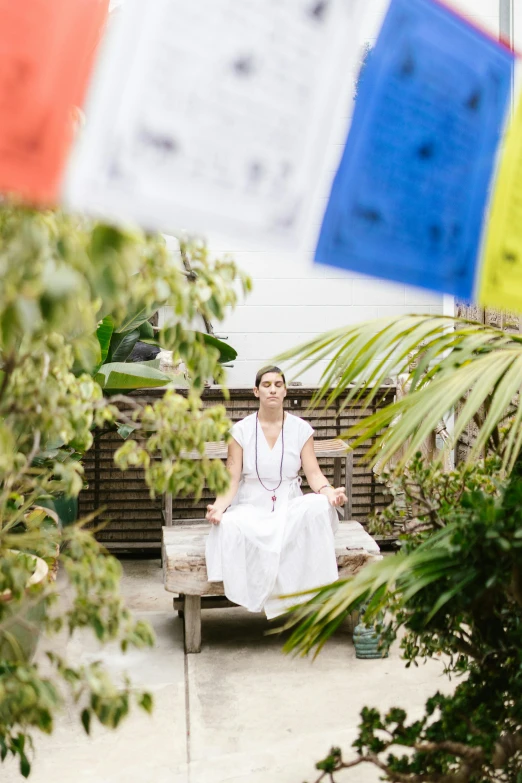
(46, 52)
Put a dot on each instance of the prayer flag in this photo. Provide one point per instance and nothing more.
(46, 51)
(501, 273)
(215, 116)
(409, 197)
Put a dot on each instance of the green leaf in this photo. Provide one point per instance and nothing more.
(106, 238)
(25, 767)
(155, 363)
(87, 354)
(448, 595)
(146, 331)
(151, 341)
(129, 375)
(146, 702)
(124, 430)
(18, 743)
(226, 352)
(104, 333)
(134, 320)
(122, 345)
(86, 720)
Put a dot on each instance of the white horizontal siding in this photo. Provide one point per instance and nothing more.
(270, 264)
(281, 291)
(283, 313)
(244, 373)
(296, 318)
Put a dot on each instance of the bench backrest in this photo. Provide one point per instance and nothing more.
(334, 447)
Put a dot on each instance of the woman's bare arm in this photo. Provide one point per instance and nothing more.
(316, 478)
(216, 510)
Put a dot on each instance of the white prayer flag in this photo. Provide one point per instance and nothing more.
(216, 117)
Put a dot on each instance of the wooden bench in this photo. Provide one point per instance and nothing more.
(183, 545)
(185, 571)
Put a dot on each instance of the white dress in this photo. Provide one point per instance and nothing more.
(260, 554)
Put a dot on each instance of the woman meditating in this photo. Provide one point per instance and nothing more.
(267, 538)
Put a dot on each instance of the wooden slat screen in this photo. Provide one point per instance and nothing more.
(134, 520)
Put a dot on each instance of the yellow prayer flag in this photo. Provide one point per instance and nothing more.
(500, 279)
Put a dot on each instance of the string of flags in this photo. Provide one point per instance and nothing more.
(214, 116)
(220, 117)
(410, 194)
(46, 54)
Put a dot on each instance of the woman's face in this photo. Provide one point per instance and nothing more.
(271, 390)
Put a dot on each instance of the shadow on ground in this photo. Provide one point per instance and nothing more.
(238, 712)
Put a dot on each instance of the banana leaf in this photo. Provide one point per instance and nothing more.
(135, 320)
(125, 376)
(146, 331)
(226, 352)
(178, 379)
(122, 345)
(104, 333)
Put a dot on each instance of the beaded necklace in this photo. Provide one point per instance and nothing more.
(274, 490)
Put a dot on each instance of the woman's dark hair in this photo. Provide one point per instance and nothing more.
(265, 370)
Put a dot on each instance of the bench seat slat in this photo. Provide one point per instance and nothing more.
(184, 567)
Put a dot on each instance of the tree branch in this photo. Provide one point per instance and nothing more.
(34, 450)
(473, 759)
(468, 752)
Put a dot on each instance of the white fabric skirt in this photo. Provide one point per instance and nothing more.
(260, 556)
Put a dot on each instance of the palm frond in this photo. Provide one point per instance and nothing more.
(454, 359)
(397, 578)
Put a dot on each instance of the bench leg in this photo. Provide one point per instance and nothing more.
(192, 623)
(337, 480)
(337, 472)
(348, 486)
(179, 604)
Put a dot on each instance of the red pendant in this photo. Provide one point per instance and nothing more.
(274, 498)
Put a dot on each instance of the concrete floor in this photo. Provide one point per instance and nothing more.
(238, 712)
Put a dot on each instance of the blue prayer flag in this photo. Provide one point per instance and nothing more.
(409, 197)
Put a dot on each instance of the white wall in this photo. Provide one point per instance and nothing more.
(294, 300)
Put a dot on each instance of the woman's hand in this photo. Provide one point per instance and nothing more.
(214, 514)
(336, 497)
